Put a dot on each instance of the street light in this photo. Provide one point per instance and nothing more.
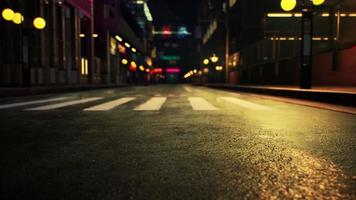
(214, 58)
(206, 61)
(288, 5)
(8, 14)
(306, 45)
(39, 23)
(124, 61)
(17, 18)
(318, 2)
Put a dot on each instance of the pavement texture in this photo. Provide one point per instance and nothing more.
(245, 148)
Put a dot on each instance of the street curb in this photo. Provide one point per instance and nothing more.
(18, 92)
(338, 98)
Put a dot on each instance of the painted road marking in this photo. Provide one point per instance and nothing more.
(199, 103)
(110, 105)
(187, 89)
(155, 103)
(32, 102)
(65, 104)
(245, 104)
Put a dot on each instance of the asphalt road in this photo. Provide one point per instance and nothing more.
(173, 142)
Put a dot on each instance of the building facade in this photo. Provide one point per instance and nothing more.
(264, 42)
(78, 45)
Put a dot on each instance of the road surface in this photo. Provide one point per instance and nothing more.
(173, 142)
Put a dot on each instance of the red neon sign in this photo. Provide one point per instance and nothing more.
(166, 31)
(173, 70)
(157, 70)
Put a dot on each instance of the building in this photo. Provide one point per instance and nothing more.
(78, 45)
(265, 42)
(50, 56)
(123, 34)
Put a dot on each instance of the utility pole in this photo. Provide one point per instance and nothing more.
(306, 56)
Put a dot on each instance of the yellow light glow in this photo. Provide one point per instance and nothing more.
(8, 14)
(195, 71)
(95, 35)
(82, 66)
(39, 23)
(82, 35)
(282, 38)
(86, 67)
(133, 50)
(298, 15)
(279, 15)
(18, 18)
(214, 59)
(318, 2)
(149, 61)
(127, 45)
(218, 68)
(291, 38)
(124, 61)
(118, 38)
(206, 61)
(325, 14)
(133, 64)
(317, 38)
(141, 68)
(352, 14)
(288, 5)
(147, 70)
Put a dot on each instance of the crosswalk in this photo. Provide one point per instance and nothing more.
(110, 105)
(155, 103)
(64, 104)
(199, 103)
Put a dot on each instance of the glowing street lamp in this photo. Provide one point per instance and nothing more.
(219, 68)
(119, 38)
(318, 2)
(142, 68)
(39, 23)
(124, 61)
(206, 61)
(8, 14)
(18, 18)
(214, 59)
(306, 57)
(288, 5)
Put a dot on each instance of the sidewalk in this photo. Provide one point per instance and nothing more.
(345, 96)
(27, 91)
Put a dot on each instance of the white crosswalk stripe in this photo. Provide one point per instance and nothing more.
(199, 103)
(110, 105)
(245, 104)
(13, 105)
(153, 104)
(64, 104)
